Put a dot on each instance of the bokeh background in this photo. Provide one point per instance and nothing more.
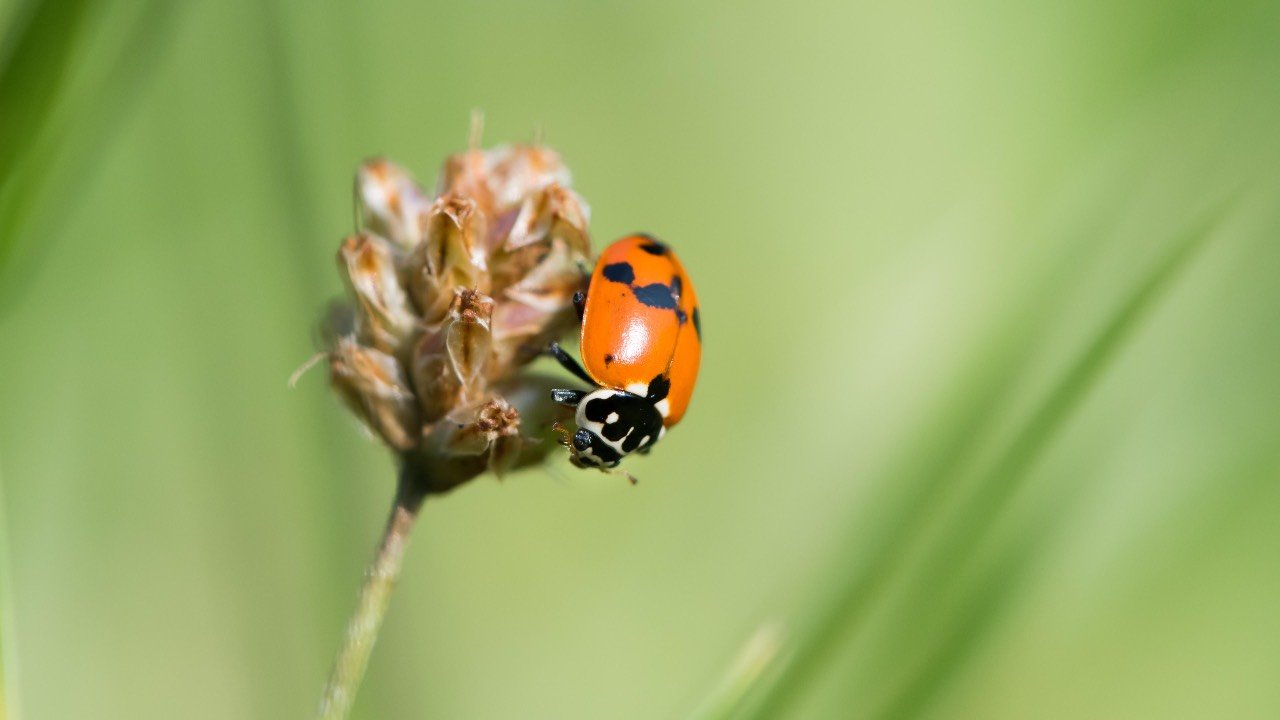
(987, 423)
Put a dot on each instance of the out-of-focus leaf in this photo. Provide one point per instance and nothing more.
(56, 117)
(36, 61)
(953, 529)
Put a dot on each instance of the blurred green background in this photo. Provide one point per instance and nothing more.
(988, 415)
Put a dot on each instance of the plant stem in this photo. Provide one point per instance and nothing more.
(380, 579)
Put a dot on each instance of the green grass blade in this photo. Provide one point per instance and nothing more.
(10, 708)
(973, 521)
(37, 60)
(752, 662)
(919, 509)
(60, 137)
(35, 69)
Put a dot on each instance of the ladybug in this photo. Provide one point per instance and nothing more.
(641, 343)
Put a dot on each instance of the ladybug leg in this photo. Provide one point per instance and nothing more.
(568, 398)
(568, 363)
(580, 304)
(619, 471)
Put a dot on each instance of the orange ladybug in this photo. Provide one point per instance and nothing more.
(641, 343)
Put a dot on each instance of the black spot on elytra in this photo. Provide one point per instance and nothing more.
(697, 323)
(608, 359)
(656, 295)
(653, 247)
(620, 273)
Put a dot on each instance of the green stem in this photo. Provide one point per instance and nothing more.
(362, 628)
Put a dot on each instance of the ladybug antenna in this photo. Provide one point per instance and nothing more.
(559, 428)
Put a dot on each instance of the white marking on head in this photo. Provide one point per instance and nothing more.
(613, 418)
(641, 389)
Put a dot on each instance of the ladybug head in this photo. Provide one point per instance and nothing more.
(589, 450)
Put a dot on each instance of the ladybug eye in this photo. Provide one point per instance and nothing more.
(582, 439)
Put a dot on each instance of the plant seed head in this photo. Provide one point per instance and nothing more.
(450, 297)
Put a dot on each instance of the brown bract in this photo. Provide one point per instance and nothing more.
(452, 295)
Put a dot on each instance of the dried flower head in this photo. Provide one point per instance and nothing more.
(451, 297)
